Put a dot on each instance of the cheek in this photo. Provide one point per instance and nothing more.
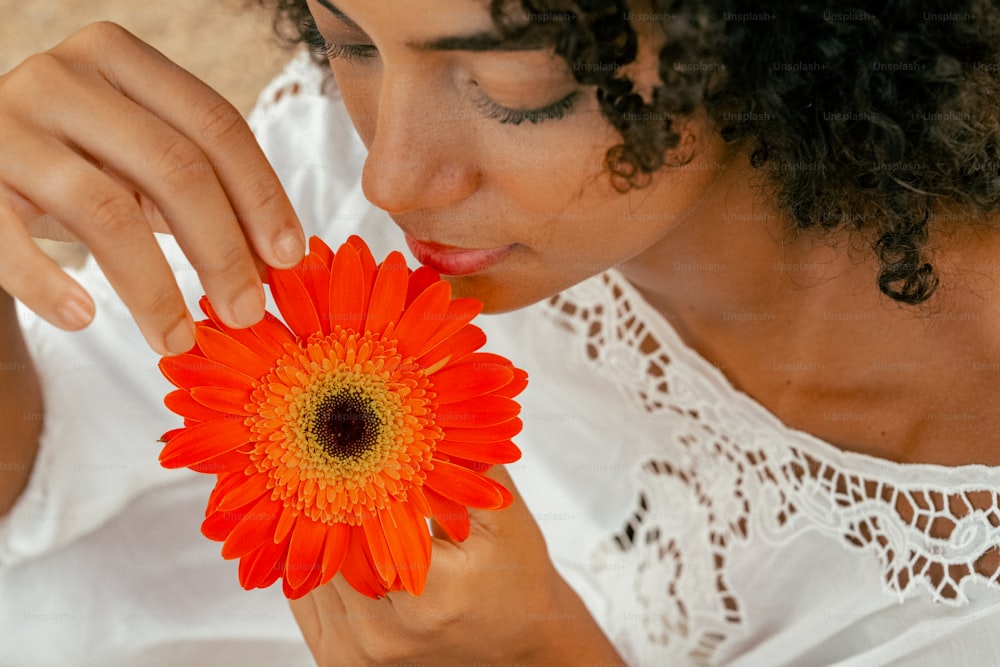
(561, 201)
(551, 183)
(549, 167)
(575, 216)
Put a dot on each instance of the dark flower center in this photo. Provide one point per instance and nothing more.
(346, 426)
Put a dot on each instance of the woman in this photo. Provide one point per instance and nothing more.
(803, 199)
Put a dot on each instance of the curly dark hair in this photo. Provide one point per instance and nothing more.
(878, 116)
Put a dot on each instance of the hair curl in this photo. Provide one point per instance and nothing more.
(875, 116)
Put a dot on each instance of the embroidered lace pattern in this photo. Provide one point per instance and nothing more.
(299, 77)
(740, 475)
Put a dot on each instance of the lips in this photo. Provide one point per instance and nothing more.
(452, 261)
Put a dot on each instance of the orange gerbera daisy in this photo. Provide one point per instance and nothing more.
(335, 437)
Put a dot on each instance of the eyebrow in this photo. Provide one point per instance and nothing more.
(525, 40)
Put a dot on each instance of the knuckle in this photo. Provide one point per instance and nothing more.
(23, 82)
(385, 652)
(98, 34)
(264, 192)
(221, 122)
(20, 279)
(180, 165)
(43, 63)
(109, 211)
(162, 308)
(441, 622)
(230, 260)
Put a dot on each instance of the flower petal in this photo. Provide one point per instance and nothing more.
(388, 293)
(180, 402)
(348, 293)
(210, 312)
(477, 412)
(491, 452)
(516, 386)
(467, 340)
(261, 568)
(368, 266)
(190, 370)
(451, 516)
(315, 275)
(381, 556)
(223, 348)
(224, 485)
(223, 399)
(245, 337)
(422, 319)
(409, 543)
(494, 433)
(256, 528)
(421, 278)
(252, 488)
(460, 382)
(318, 247)
(171, 434)
(338, 538)
(285, 524)
(466, 487)
(458, 315)
(218, 525)
(203, 441)
(357, 567)
(305, 551)
(229, 462)
(273, 333)
(294, 302)
(311, 582)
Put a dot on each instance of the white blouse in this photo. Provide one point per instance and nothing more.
(698, 529)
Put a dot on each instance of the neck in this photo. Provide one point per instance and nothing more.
(737, 263)
(796, 320)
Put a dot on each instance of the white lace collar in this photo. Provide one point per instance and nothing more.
(933, 530)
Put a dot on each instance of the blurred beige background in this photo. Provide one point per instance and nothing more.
(227, 43)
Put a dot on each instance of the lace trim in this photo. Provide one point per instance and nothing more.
(300, 76)
(933, 529)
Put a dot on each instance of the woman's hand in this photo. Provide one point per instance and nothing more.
(104, 140)
(495, 598)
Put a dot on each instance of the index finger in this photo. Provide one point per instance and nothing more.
(197, 111)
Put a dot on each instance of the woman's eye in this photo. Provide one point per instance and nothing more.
(349, 52)
(554, 111)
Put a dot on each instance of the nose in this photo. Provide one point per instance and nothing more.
(418, 156)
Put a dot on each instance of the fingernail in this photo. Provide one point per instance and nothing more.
(289, 247)
(248, 307)
(74, 314)
(180, 339)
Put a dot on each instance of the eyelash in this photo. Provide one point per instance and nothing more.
(351, 53)
(555, 111)
(356, 53)
(347, 52)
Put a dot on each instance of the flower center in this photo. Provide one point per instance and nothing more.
(342, 426)
(345, 425)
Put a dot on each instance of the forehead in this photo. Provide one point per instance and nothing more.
(430, 18)
(438, 25)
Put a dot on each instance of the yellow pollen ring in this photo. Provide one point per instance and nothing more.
(342, 426)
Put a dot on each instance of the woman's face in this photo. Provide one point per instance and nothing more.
(488, 154)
